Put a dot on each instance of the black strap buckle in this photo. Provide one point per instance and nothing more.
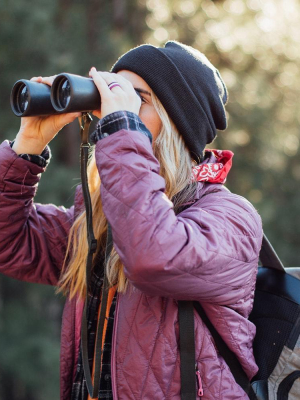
(93, 245)
(85, 122)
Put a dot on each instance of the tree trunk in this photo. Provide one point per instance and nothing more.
(119, 14)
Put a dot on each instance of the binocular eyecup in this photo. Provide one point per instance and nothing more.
(68, 93)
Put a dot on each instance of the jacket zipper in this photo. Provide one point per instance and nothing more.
(113, 350)
(199, 381)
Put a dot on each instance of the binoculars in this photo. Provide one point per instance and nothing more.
(68, 93)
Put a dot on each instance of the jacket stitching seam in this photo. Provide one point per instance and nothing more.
(173, 373)
(161, 332)
(197, 316)
(130, 327)
(215, 355)
(126, 205)
(7, 171)
(150, 360)
(233, 341)
(148, 363)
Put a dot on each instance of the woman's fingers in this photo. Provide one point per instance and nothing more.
(125, 84)
(36, 79)
(114, 78)
(47, 80)
(117, 93)
(113, 82)
(100, 82)
(121, 84)
(70, 117)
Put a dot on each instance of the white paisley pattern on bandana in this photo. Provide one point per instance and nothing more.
(215, 172)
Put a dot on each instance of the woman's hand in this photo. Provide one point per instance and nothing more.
(36, 132)
(121, 97)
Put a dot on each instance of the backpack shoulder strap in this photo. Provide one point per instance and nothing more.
(228, 356)
(187, 350)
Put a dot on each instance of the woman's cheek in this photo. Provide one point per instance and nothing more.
(151, 120)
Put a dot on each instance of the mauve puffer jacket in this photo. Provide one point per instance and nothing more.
(208, 253)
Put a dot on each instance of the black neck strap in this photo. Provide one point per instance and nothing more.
(93, 387)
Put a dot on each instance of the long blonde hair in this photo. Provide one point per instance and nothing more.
(175, 167)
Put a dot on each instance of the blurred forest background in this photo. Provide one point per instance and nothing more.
(255, 45)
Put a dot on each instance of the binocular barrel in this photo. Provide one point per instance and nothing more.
(30, 99)
(74, 93)
(68, 93)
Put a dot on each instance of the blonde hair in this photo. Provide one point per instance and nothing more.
(175, 167)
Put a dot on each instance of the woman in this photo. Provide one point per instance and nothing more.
(178, 233)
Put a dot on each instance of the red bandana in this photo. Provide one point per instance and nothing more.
(215, 171)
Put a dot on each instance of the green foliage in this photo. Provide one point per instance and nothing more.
(29, 344)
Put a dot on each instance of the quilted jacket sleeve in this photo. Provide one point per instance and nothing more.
(33, 237)
(207, 253)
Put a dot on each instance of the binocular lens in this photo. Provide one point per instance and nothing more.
(22, 98)
(64, 93)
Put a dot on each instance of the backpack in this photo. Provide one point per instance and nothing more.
(276, 315)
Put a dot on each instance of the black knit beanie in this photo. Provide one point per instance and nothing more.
(189, 87)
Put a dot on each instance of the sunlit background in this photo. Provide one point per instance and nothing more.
(256, 46)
